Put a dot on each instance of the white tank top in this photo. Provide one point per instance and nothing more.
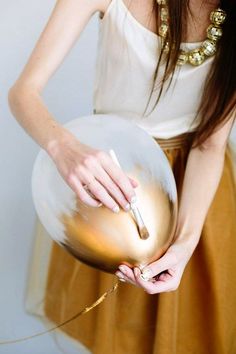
(127, 55)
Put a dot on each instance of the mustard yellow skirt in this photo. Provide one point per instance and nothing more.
(197, 318)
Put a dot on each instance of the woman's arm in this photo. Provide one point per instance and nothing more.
(202, 176)
(78, 164)
(65, 24)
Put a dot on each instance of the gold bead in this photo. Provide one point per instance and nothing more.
(183, 58)
(162, 2)
(214, 32)
(166, 47)
(163, 29)
(209, 47)
(164, 14)
(218, 16)
(196, 57)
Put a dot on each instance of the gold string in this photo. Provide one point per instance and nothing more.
(80, 313)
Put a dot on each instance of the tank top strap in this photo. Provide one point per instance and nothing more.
(114, 4)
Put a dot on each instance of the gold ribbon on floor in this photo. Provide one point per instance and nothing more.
(80, 313)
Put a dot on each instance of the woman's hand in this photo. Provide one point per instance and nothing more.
(92, 174)
(164, 274)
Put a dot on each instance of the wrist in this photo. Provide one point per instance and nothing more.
(187, 231)
(187, 241)
(57, 143)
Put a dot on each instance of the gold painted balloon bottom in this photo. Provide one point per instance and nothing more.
(103, 239)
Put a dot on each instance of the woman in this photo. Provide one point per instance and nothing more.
(192, 96)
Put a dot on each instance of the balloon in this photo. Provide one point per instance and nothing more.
(96, 235)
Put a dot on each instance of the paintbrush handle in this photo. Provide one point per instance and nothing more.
(133, 206)
(137, 214)
(114, 157)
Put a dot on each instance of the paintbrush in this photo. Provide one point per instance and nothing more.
(142, 229)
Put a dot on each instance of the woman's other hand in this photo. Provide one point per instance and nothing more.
(164, 274)
(92, 174)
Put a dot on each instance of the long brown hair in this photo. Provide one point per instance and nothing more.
(218, 96)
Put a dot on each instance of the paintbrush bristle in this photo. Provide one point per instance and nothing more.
(143, 232)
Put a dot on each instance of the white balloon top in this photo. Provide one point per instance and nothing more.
(127, 55)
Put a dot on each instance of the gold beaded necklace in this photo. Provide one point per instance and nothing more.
(207, 48)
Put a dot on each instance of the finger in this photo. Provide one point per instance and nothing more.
(119, 177)
(93, 163)
(102, 195)
(101, 175)
(155, 287)
(90, 193)
(128, 272)
(124, 278)
(85, 197)
(120, 276)
(95, 189)
(164, 263)
(133, 182)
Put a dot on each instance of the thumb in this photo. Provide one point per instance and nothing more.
(159, 266)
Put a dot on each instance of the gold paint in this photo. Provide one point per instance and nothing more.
(104, 239)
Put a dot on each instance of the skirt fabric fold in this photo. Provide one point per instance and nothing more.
(197, 318)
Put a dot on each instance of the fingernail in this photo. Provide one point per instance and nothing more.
(146, 271)
(122, 269)
(119, 274)
(133, 199)
(136, 272)
(122, 279)
(127, 207)
(146, 274)
(116, 209)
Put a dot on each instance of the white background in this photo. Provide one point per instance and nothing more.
(68, 95)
